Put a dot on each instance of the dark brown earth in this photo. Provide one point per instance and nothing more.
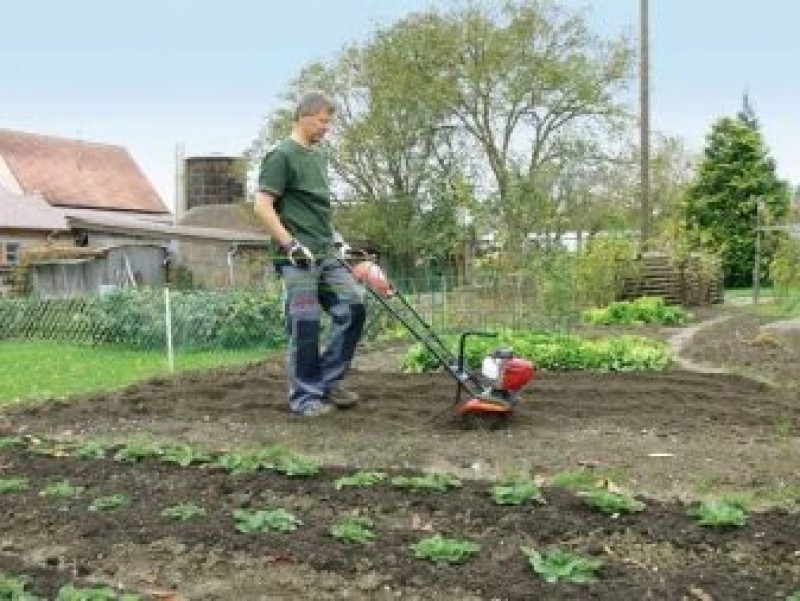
(672, 438)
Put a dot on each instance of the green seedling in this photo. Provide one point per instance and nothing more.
(136, 450)
(184, 455)
(46, 447)
(11, 442)
(278, 520)
(286, 462)
(516, 491)
(360, 479)
(445, 550)
(272, 457)
(109, 503)
(62, 489)
(184, 512)
(357, 530)
(795, 596)
(612, 503)
(70, 592)
(575, 480)
(12, 485)
(12, 588)
(237, 464)
(719, 513)
(89, 450)
(297, 466)
(428, 482)
(558, 565)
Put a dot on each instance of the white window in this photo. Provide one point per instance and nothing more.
(10, 253)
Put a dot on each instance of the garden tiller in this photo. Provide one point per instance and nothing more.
(490, 394)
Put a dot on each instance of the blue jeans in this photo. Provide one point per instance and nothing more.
(327, 286)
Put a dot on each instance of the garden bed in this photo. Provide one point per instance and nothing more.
(671, 438)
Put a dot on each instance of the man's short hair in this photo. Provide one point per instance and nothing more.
(313, 103)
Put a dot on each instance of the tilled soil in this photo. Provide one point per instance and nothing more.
(658, 554)
(672, 437)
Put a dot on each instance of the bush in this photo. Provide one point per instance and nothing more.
(784, 270)
(644, 310)
(602, 268)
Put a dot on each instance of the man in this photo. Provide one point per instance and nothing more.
(294, 203)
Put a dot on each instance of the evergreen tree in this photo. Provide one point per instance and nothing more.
(736, 173)
(747, 114)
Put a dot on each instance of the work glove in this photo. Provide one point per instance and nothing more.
(298, 255)
(341, 247)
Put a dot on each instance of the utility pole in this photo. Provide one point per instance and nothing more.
(757, 261)
(644, 119)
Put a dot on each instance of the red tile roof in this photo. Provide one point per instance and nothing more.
(74, 173)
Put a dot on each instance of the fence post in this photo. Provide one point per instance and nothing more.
(168, 324)
(444, 302)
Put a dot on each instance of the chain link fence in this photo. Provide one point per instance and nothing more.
(249, 318)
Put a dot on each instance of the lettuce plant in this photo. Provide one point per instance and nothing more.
(445, 550)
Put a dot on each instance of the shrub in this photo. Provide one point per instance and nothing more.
(644, 310)
(602, 268)
(784, 270)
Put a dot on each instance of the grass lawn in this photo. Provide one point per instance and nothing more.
(44, 369)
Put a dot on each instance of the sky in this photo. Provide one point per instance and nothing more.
(152, 74)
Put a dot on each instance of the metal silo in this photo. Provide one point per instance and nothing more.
(214, 180)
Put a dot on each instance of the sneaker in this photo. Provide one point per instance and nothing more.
(341, 398)
(314, 410)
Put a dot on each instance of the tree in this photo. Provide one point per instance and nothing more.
(529, 86)
(735, 174)
(495, 97)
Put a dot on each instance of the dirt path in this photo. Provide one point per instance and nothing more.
(682, 339)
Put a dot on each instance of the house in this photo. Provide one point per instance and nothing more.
(25, 222)
(57, 193)
(244, 262)
(78, 177)
(75, 174)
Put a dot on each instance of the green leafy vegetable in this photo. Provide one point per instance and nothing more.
(110, 502)
(445, 550)
(558, 565)
(278, 520)
(612, 502)
(428, 483)
(719, 513)
(184, 512)
(353, 530)
(12, 485)
(359, 480)
(516, 491)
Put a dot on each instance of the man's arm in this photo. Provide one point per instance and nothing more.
(264, 208)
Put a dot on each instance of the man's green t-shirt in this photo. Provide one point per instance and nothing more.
(298, 178)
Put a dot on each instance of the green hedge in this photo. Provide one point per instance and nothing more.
(557, 352)
(137, 318)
